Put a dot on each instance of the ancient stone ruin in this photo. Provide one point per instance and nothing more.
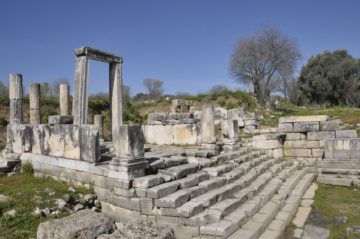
(201, 186)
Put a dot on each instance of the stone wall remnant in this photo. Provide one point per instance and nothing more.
(180, 106)
(34, 98)
(16, 98)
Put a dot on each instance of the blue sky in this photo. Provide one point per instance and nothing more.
(186, 43)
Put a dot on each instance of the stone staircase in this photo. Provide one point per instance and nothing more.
(227, 195)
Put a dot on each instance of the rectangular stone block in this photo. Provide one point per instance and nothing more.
(301, 144)
(295, 136)
(60, 119)
(41, 134)
(297, 153)
(19, 136)
(306, 126)
(322, 135)
(128, 141)
(310, 118)
(90, 143)
(330, 125)
(286, 127)
(317, 153)
(266, 144)
(346, 134)
(185, 134)
(159, 134)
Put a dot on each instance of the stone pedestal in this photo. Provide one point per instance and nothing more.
(34, 98)
(129, 162)
(229, 133)
(64, 100)
(16, 99)
(207, 128)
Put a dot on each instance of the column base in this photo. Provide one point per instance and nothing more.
(125, 169)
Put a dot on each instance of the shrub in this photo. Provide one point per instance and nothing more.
(27, 169)
(3, 121)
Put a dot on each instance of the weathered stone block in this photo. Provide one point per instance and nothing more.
(90, 143)
(41, 134)
(285, 127)
(311, 118)
(20, 136)
(296, 136)
(306, 126)
(185, 134)
(301, 144)
(148, 181)
(159, 134)
(346, 134)
(60, 119)
(267, 144)
(317, 153)
(330, 125)
(322, 135)
(128, 141)
(297, 153)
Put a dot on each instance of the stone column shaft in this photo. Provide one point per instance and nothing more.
(16, 98)
(115, 80)
(98, 121)
(64, 100)
(207, 125)
(34, 98)
(80, 100)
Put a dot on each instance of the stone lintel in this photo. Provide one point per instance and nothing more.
(98, 55)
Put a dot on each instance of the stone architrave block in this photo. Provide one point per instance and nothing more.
(306, 153)
(185, 134)
(159, 134)
(295, 136)
(41, 135)
(308, 126)
(89, 143)
(330, 125)
(300, 119)
(20, 136)
(321, 135)
(346, 134)
(285, 127)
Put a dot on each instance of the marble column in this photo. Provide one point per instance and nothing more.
(34, 98)
(207, 127)
(80, 100)
(16, 98)
(64, 100)
(115, 80)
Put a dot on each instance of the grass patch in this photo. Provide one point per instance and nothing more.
(26, 194)
(338, 201)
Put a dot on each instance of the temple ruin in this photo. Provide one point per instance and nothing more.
(187, 178)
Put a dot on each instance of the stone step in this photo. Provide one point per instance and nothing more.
(180, 171)
(269, 212)
(210, 191)
(240, 215)
(222, 197)
(276, 227)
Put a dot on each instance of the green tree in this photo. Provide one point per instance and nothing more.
(330, 78)
(3, 89)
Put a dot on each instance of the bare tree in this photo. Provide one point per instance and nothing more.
(264, 59)
(218, 89)
(55, 86)
(154, 87)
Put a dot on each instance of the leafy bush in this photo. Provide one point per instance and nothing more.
(3, 121)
